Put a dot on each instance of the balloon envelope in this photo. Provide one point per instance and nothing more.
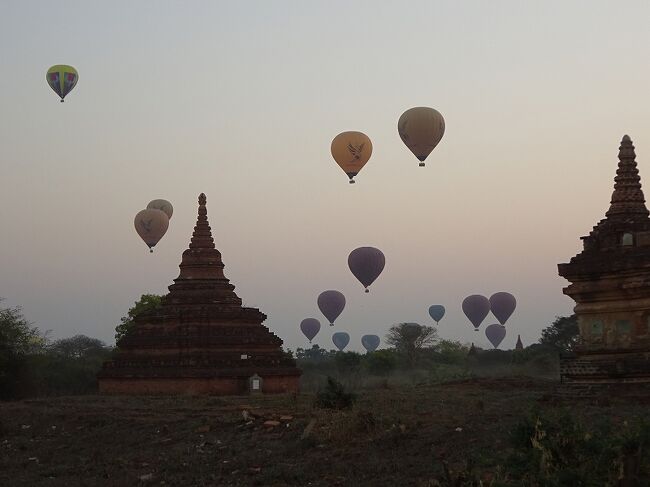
(341, 340)
(331, 304)
(421, 129)
(476, 308)
(310, 328)
(351, 151)
(370, 342)
(366, 263)
(437, 311)
(503, 305)
(162, 205)
(151, 225)
(495, 333)
(62, 78)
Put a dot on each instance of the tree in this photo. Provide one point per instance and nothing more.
(79, 347)
(380, 362)
(18, 339)
(410, 338)
(146, 303)
(562, 334)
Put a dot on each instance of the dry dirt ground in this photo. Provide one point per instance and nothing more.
(390, 437)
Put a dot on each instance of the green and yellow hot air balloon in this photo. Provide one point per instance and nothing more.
(62, 79)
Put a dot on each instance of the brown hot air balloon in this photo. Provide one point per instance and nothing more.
(421, 128)
(351, 151)
(151, 225)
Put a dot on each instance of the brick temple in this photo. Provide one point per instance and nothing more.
(610, 283)
(201, 340)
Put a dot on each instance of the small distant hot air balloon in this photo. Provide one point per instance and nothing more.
(436, 311)
(341, 340)
(366, 263)
(503, 305)
(421, 129)
(62, 79)
(476, 308)
(351, 151)
(331, 304)
(151, 225)
(310, 328)
(162, 205)
(370, 342)
(495, 333)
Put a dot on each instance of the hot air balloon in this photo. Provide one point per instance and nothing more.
(370, 342)
(437, 311)
(341, 340)
(495, 333)
(503, 305)
(366, 263)
(476, 308)
(331, 304)
(421, 128)
(62, 79)
(310, 328)
(162, 205)
(351, 151)
(151, 225)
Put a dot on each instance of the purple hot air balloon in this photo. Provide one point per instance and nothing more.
(341, 340)
(366, 263)
(503, 305)
(310, 328)
(476, 308)
(495, 333)
(437, 311)
(331, 304)
(370, 342)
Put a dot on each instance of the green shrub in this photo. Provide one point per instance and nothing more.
(334, 396)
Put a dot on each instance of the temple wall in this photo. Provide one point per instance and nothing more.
(196, 386)
(605, 368)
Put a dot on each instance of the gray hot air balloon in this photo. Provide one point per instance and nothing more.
(331, 304)
(310, 328)
(366, 263)
(370, 342)
(495, 333)
(503, 305)
(437, 311)
(341, 340)
(476, 308)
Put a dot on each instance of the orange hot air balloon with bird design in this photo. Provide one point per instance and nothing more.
(151, 225)
(351, 151)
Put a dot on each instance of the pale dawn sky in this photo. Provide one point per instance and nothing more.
(241, 100)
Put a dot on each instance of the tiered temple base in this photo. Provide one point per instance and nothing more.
(201, 340)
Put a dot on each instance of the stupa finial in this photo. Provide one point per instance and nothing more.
(202, 236)
(627, 199)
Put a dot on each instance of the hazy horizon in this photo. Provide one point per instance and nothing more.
(242, 100)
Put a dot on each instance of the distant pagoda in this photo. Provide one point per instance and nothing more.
(610, 283)
(201, 340)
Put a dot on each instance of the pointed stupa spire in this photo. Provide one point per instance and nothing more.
(519, 345)
(202, 268)
(628, 201)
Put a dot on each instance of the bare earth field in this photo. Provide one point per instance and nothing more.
(404, 436)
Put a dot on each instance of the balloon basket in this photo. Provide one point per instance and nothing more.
(421, 164)
(367, 290)
(352, 181)
(331, 324)
(62, 100)
(151, 251)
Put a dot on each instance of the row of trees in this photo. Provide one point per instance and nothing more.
(31, 364)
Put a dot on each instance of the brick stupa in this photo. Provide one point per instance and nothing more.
(201, 340)
(610, 283)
